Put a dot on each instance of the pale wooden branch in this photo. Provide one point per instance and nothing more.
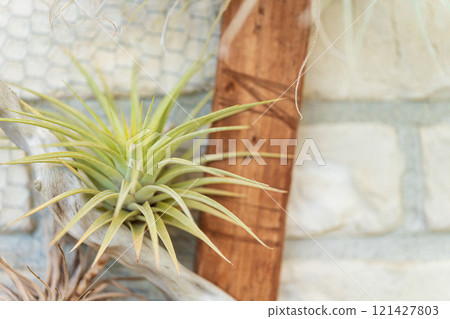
(54, 179)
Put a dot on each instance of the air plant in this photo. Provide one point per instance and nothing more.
(144, 197)
(72, 280)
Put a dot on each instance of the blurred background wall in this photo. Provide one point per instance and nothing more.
(377, 105)
(377, 214)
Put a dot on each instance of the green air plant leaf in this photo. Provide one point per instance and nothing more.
(165, 238)
(131, 170)
(149, 218)
(138, 232)
(56, 199)
(114, 226)
(103, 220)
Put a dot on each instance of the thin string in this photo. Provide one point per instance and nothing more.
(313, 44)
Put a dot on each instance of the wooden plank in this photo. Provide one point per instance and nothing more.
(260, 63)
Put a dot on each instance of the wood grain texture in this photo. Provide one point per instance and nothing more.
(261, 62)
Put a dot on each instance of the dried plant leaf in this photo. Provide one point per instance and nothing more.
(66, 281)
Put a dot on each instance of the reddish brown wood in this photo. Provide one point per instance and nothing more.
(262, 62)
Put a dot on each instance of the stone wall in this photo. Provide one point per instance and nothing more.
(398, 50)
(376, 215)
(378, 107)
(109, 34)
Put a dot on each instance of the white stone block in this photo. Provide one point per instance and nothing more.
(19, 27)
(12, 71)
(436, 167)
(364, 279)
(35, 66)
(4, 17)
(15, 194)
(394, 51)
(358, 191)
(14, 49)
(21, 7)
(18, 175)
